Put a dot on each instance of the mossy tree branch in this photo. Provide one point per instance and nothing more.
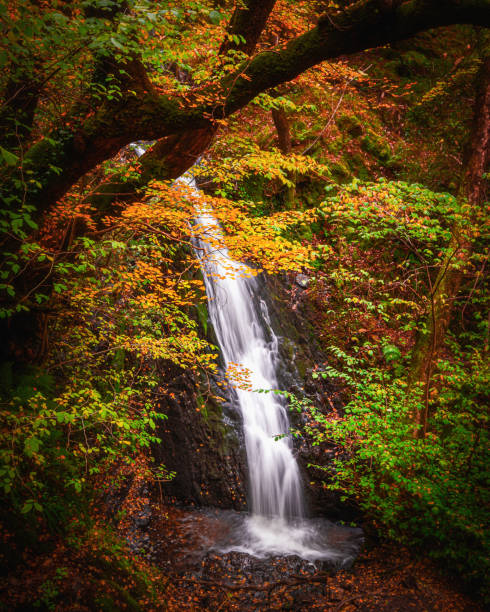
(171, 156)
(144, 114)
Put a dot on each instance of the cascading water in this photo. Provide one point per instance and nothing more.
(277, 523)
(274, 477)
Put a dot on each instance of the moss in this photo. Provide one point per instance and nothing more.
(203, 316)
(302, 367)
(305, 233)
(118, 360)
(301, 131)
(414, 62)
(335, 146)
(395, 163)
(212, 415)
(350, 125)
(372, 144)
(131, 603)
(356, 163)
(288, 347)
(340, 172)
(310, 192)
(201, 404)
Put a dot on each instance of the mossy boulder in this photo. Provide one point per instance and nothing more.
(375, 146)
(414, 62)
(340, 172)
(336, 145)
(356, 164)
(300, 354)
(349, 124)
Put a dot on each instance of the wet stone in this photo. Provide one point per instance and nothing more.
(302, 281)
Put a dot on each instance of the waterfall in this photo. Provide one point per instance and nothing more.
(275, 481)
(241, 321)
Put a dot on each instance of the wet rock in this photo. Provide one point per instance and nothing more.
(200, 442)
(142, 522)
(302, 281)
(300, 355)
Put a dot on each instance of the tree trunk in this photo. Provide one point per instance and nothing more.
(247, 22)
(446, 287)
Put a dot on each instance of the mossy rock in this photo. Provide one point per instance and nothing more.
(356, 163)
(310, 192)
(350, 125)
(387, 53)
(340, 172)
(395, 163)
(335, 146)
(375, 146)
(302, 367)
(415, 62)
(127, 598)
(211, 413)
(202, 315)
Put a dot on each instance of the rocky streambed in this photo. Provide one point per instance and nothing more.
(384, 577)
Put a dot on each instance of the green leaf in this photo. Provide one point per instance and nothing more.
(117, 44)
(31, 446)
(9, 158)
(31, 223)
(391, 353)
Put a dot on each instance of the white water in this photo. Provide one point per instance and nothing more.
(274, 477)
(277, 523)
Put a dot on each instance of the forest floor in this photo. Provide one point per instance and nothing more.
(175, 557)
(384, 577)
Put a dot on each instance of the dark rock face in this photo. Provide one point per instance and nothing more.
(200, 443)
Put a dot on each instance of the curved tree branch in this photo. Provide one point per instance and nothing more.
(148, 115)
(171, 156)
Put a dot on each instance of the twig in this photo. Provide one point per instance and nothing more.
(331, 118)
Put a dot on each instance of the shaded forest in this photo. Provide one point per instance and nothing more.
(343, 150)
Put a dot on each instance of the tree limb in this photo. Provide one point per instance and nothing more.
(149, 115)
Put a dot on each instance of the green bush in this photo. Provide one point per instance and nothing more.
(427, 491)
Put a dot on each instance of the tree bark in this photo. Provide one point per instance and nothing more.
(282, 127)
(248, 22)
(150, 115)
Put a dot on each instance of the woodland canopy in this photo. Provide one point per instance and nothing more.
(345, 141)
